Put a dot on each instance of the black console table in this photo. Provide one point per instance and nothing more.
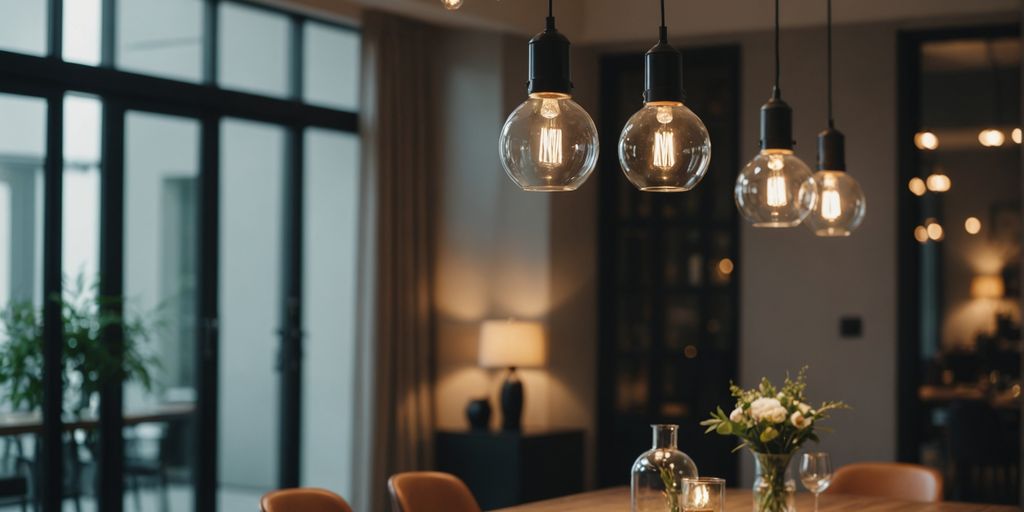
(509, 468)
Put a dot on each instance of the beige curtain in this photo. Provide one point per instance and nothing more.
(397, 327)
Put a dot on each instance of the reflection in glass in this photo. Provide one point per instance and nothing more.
(161, 169)
(253, 46)
(331, 58)
(162, 38)
(251, 211)
(331, 203)
(81, 37)
(22, 150)
(23, 26)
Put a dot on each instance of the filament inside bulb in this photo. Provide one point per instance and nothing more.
(549, 153)
(664, 150)
(831, 205)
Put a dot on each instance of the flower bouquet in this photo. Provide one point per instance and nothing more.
(773, 424)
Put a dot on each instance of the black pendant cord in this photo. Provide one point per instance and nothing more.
(551, 8)
(831, 119)
(663, 29)
(776, 91)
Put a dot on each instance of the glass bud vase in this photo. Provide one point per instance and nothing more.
(658, 473)
(774, 487)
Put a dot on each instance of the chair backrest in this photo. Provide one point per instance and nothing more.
(430, 491)
(909, 482)
(303, 500)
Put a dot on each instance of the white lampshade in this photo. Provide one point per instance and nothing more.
(507, 343)
(987, 287)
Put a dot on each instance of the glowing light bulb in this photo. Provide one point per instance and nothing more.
(917, 186)
(991, 138)
(935, 231)
(664, 147)
(926, 141)
(921, 234)
(776, 189)
(972, 225)
(549, 143)
(831, 205)
(451, 5)
(701, 497)
(1016, 135)
(939, 182)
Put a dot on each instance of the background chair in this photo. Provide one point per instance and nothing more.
(430, 491)
(908, 482)
(303, 500)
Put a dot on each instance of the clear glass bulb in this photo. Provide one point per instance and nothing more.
(664, 147)
(775, 190)
(452, 5)
(549, 143)
(840, 207)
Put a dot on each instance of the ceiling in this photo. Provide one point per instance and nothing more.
(612, 21)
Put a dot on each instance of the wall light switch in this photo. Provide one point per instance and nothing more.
(851, 327)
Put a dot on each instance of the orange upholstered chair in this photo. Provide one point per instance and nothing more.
(430, 491)
(908, 482)
(303, 500)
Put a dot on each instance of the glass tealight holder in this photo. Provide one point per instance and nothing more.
(703, 495)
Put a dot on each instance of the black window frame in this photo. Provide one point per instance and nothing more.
(51, 78)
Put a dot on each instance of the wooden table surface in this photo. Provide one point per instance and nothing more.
(617, 500)
(12, 424)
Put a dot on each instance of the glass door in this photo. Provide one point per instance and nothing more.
(161, 174)
(252, 160)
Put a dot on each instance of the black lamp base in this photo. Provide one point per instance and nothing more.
(511, 402)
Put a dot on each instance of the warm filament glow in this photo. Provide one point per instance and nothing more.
(926, 140)
(550, 152)
(701, 497)
(777, 190)
(831, 206)
(972, 225)
(991, 138)
(939, 182)
(664, 150)
(917, 186)
(452, 5)
(1016, 135)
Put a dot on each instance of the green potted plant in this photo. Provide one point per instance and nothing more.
(88, 359)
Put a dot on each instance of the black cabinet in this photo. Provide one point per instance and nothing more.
(668, 278)
(508, 468)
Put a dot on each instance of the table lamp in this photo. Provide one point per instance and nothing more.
(510, 344)
(987, 287)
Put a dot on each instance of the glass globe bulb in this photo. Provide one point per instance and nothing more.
(548, 144)
(775, 190)
(452, 5)
(664, 147)
(839, 207)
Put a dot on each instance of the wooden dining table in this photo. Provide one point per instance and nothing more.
(738, 500)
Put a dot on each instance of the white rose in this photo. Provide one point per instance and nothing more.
(776, 415)
(804, 408)
(762, 407)
(799, 421)
(736, 416)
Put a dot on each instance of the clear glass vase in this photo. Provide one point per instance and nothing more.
(774, 487)
(658, 473)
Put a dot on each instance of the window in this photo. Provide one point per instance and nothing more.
(215, 211)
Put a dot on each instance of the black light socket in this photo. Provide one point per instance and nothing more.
(549, 62)
(831, 150)
(663, 72)
(776, 123)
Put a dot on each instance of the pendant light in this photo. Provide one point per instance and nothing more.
(451, 5)
(664, 147)
(840, 205)
(993, 137)
(775, 190)
(549, 143)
